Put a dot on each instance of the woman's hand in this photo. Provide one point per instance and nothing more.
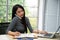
(43, 32)
(14, 33)
(35, 31)
(40, 31)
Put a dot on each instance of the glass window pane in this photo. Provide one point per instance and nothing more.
(3, 2)
(9, 13)
(33, 22)
(2, 13)
(31, 3)
(13, 2)
(10, 6)
(31, 12)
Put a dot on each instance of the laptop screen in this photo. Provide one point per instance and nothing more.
(57, 29)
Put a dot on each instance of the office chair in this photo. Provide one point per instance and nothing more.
(3, 27)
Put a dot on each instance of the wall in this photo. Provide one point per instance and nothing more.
(59, 13)
(52, 15)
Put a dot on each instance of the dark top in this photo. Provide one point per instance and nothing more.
(16, 25)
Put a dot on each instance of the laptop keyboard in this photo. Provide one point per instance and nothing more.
(48, 34)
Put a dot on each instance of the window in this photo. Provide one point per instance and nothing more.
(2, 10)
(10, 5)
(31, 9)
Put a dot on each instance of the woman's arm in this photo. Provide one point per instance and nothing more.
(11, 26)
(34, 31)
(29, 25)
(13, 33)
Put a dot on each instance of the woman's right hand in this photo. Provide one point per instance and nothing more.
(14, 33)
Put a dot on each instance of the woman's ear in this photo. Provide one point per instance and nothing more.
(15, 14)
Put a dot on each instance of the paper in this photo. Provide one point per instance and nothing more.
(26, 35)
(40, 34)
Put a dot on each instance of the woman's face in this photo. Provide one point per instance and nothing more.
(20, 12)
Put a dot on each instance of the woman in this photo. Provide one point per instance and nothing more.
(20, 22)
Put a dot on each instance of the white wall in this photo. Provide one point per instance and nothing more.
(49, 15)
(52, 16)
(41, 14)
(59, 13)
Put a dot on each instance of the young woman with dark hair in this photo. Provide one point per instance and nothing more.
(20, 22)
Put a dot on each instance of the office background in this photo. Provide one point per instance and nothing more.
(51, 15)
(43, 14)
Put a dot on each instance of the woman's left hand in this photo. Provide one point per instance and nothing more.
(43, 32)
(35, 31)
(40, 31)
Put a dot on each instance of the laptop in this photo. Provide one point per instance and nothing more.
(49, 35)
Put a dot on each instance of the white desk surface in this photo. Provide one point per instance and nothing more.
(7, 37)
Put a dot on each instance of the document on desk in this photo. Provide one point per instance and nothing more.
(4, 37)
(26, 35)
(40, 34)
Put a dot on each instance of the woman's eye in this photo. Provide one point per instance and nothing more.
(18, 11)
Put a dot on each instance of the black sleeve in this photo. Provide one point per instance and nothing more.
(11, 25)
(29, 25)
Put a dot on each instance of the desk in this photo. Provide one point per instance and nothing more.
(7, 37)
